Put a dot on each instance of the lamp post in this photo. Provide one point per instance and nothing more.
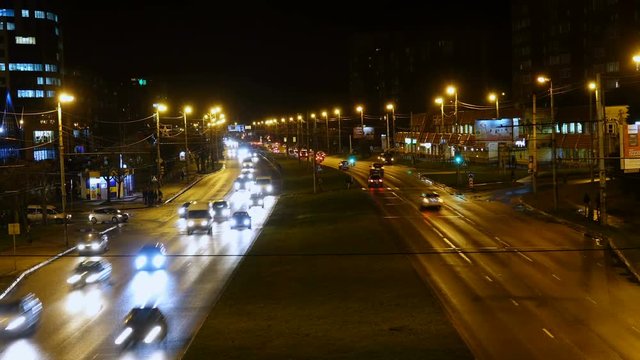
(451, 90)
(337, 112)
(326, 120)
(440, 102)
(494, 98)
(360, 109)
(636, 59)
(159, 108)
(63, 98)
(298, 130)
(592, 89)
(542, 80)
(393, 122)
(185, 111)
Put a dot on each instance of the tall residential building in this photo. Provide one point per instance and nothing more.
(572, 41)
(30, 79)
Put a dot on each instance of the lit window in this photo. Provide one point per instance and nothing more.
(50, 68)
(25, 67)
(51, 93)
(39, 14)
(1, 25)
(51, 16)
(613, 66)
(40, 136)
(25, 13)
(26, 40)
(26, 93)
(39, 80)
(11, 26)
(6, 12)
(44, 154)
(2, 67)
(39, 93)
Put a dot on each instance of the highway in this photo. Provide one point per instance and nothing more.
(516, 285)
(83, 323)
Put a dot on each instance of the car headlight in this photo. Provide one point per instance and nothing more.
(81, 247)
(123, 335)
(181, 211)
(73, 279)
(269, 188)
(246, 222)
(190, 223)
(92, 278)
(158, 261)
(153, 334)
(233, 222)
(90, 217)
(203, 223)
(95, 246)
(141, 261)
(226, 212)
(16, 323)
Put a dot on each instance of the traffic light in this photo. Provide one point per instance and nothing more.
(458, 158)
(352, 160)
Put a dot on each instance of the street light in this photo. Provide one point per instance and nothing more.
(326, 120)
(185, 111)
(159, 108)
(592, 88)
(494, 98)
(337, 112)
(360, 109)
(440, 101)
(63, 98)
(542, 80)
(393, 126)
(636, 59)
(451, 90)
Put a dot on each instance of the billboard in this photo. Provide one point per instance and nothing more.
(497, 129)
(235, 128)
(629, 148)
(368, 132)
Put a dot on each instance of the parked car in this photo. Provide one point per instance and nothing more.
(35, 214)
(108, 214)
(20, 317)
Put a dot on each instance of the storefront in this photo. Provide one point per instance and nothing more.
(95, 187)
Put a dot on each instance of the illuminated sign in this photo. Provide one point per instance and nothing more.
(630, 148)
(497, 129)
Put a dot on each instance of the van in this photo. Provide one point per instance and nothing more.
(34, 214)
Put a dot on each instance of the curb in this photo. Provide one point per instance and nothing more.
(32, 269)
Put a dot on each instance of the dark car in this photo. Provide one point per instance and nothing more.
(240, 220)
(256, 199)
(182, 210)
(377, 168)
(20, 317)
(343, 165)
(221, 210)
(90, 272)
(243, 184)
(93, 243)
(375, 181)
(143, 324)
(151, 257)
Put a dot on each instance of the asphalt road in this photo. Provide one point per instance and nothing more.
(83, 324)
(515, 285)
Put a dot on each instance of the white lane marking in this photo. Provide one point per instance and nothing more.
(548, 333)
(634, 328)
(488, 278)
(465, 257)
(391, 217)
(438, 232)
(455, 248)
(599, 264)
(590, 299)
(556, 276)
(448, 242)
(524, 256)
(515, 302)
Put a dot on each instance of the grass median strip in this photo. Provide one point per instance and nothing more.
(325, 306)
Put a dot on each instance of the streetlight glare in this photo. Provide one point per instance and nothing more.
(64, 97)
(451, 90)
(324, 113)
(636, 58)
(438, 100)
(389, 106)
(336, 111)
(359, 109)
(492, 97)
(188, 109)
(313, 115)
(542, 79)
(299, 117)
(592, 85)
(160, 107)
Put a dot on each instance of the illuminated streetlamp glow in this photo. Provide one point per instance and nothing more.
(63, 98)
(494, 98)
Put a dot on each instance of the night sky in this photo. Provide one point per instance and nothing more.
(256, 60)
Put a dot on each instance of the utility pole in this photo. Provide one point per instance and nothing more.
(600, 109)
(534, 163)
(315, 151)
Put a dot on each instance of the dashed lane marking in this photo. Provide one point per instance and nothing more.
(548, 333)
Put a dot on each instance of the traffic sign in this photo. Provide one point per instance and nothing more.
(14, 229)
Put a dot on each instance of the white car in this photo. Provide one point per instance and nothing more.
(108, 214)
(431, 200)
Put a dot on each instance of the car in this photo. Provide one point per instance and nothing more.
(247, 164)
(377, 167)
(343, 165)
(20, 317)
(143, 324)
(35, 214)
(90, 271)
(425, 179)
(151, 257)
(221, 210)
(92, 243)
(386, 158)
(263, 185)
(240, 220)
(182, 210)
(256, 199)
(243, 184)
(199, 217)
(247, 173)
(108, 214)
(431, 200)
(375, 181)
